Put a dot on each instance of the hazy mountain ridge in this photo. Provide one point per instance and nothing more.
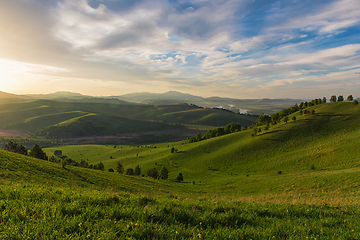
(252, 106)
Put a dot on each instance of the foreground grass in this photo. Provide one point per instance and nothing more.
(31, 211)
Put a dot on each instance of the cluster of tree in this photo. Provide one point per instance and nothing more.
(164, 173)
(154, 173)
(230, 128)
(36, 151)
(340, 98)
(283, 115)
(15, 148)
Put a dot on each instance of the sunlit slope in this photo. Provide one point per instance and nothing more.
(16, 168)
(313, 152)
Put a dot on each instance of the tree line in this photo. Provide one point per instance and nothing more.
(265, 120)
(154, 173)
(219, 131)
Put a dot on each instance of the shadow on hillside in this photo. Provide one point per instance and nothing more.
(77, 174)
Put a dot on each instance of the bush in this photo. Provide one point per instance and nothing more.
(137, 170)
(100, 166)
(180, 178)
(153, 173)
(111, 170)
(130, 171)
(164, 173)
(37, 152)
(120, 168)
(14, 147)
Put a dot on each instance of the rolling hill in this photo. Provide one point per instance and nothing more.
(297, 180)
(61, 119)
(288, 157)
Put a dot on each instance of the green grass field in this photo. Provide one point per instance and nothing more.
(297, 180)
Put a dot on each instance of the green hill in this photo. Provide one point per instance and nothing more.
(308, 152)
(55, 119)
(297, 180)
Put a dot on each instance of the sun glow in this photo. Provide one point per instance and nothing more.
(7, 78)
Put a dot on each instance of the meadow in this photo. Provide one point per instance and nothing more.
(297, 180)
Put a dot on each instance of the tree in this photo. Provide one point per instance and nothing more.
(111, 170)
(238, 127)
(83, 164)
(153, 173)
(356, 102)
(324, 100)
(340, 98)
(64, 163)
(164, 173)
(180, 178)
(350, 98)
(255, 130)
(130, 171)
(293, 118)
(333, 98)
(172, 150)
(286, 119)
(37, 152)
(137, 170)
(14, 147)
(22, 150)
(198, 137)
(230, 128)
(312, 112)
(120, 168)
(58, 153)
(100, 166)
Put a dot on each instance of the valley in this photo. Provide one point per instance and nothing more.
(295, 179)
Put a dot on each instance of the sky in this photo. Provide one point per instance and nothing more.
(227, 48)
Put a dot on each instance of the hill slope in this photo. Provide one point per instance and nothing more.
(55, 119)
(311, 154)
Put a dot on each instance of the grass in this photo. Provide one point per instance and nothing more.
(298, 180)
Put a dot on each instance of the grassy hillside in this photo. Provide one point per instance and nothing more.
(315, 152)
(232, 187)
(54, 119)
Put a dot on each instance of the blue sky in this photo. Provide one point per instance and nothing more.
(239, 49)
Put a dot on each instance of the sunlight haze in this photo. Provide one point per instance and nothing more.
(230, 48)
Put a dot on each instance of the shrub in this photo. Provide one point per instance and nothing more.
(164, 173)
(180, 178)
(111, 170)
(153, 173)
(137, 170)
(130, 171)
(37, 152)
(120, 168)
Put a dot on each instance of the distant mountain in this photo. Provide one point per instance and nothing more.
(6, 98)
(59, 94)
(253, 106)
(170, 97)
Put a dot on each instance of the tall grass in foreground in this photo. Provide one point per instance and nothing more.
(45, 212)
